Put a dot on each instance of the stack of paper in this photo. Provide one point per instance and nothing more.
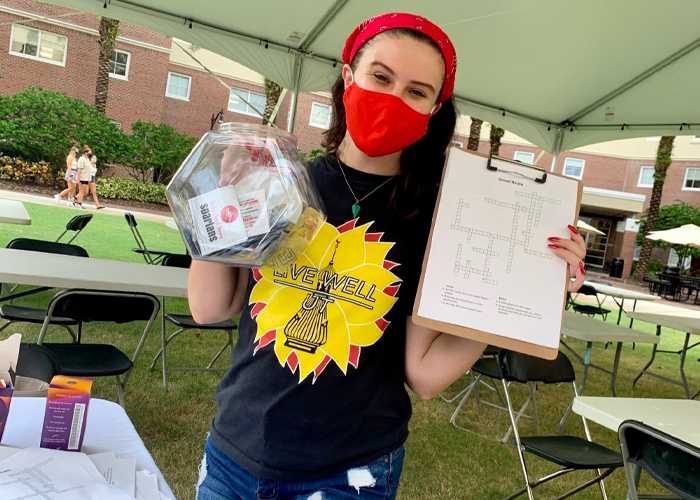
(61, 475)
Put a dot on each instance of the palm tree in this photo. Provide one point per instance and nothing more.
(109, 31)
(474, 134)
(272, 95)
(495, 138)
(663, 161)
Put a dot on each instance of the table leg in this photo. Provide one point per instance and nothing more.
(616, 364)
(619, 312)
(683, 353)
(634, 307)
(653, 355)
(582, 386)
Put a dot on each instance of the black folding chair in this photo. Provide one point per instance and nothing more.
(36, 361)
(150, 256)
(590, 309)
(99, 360)
(571, 453)
(672, 463)
(487, 368)
(185, 322)
(19, 314)
(76, 225)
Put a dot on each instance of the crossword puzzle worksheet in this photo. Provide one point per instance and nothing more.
(489, 267)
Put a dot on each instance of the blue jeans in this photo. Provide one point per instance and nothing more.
(221, 479)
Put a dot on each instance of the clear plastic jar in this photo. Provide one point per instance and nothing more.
(244, 197)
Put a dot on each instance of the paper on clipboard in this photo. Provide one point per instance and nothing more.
(488, 273)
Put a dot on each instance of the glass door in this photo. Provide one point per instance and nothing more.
(597, 244)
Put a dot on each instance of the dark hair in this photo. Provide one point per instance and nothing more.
(422, 162)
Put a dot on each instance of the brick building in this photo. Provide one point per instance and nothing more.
(153, 78)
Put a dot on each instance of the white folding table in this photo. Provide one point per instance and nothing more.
(688, 324)
(616, 293)
(66, 271)
(13, 212)
(591, 330)
(108, 428)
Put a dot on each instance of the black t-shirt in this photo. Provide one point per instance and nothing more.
(316, 384)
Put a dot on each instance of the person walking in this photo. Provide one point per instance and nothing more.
(84, 174)
(315, 403)
(93, 184)
(70, 176)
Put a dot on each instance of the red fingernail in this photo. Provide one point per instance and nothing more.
(554, 247)
(580, 266)
(572, 229)
(553, 238)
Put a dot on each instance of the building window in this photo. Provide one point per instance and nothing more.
(119, 64)
(116, 124)
(320, 115)
(692, 178)
(637, 252)
(646, 177)
(178, 86)
(459, 144)
(524, 157)
(255, 105)
(655, 138)
(39, 45)
(573, 167)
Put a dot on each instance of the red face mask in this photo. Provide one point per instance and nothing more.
(381, 124)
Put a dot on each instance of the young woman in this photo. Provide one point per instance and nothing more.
(84, 174)
(70, 177)
(93, 184)
(314, 406)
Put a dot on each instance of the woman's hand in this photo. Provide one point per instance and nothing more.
(573, 251)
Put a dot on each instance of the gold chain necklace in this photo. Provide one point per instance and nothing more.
(356, 205)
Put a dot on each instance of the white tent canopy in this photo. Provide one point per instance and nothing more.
(561, 74)
(688, 235)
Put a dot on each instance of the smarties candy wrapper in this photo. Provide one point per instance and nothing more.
(244, 197)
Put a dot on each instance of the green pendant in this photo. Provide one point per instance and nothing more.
(356, 210)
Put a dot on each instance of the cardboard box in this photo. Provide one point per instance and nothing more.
(66, 413)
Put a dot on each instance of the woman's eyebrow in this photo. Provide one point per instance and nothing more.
(391, 72)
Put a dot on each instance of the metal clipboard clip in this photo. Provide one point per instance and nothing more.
(493, 168)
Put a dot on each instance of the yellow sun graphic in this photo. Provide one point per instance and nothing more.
(330, 303)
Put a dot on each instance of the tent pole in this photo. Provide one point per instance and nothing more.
(557, 148)
(295, 93)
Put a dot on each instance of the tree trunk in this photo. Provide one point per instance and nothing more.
(663, 161)
(272, 95)
(495, 138)
(109, 30)
(474, 134)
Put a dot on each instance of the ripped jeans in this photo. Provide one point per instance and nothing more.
(221, 479)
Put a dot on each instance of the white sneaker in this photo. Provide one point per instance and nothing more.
(57, 198)
(70, 203)
(79, 206)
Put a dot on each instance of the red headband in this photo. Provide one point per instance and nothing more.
(376, 25)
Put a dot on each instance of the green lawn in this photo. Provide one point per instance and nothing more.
(442, 462)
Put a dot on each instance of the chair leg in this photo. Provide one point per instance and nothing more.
(120, 392)
(453, 418)
(533, 389)
(6, 325)
(221, 351)
(165, 342)
(72, 333)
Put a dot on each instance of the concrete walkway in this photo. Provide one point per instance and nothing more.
(139, 213)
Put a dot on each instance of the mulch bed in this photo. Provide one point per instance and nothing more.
(24, 187)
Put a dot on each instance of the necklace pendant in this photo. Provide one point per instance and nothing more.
(355, 210)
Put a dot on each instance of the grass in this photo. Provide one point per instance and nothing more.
(442, 462)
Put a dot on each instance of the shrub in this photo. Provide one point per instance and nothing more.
(16, 169)
(159, 150)
(131, 189)
(38, 124)
(655, 266)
